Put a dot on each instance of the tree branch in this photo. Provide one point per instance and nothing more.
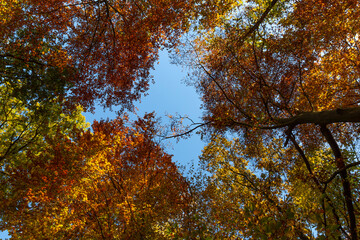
(323, 117)
(339, 171)
(317, 182)
(259, 21)
(187, 132)
(319, 118)
(340, 164)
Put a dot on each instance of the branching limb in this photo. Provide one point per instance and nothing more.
(259, 21)
(340, 164)
(317, 182)
(339, 171)
(199, 125)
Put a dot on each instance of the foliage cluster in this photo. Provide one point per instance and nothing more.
(281, 77)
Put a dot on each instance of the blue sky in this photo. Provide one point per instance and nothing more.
(169, 95)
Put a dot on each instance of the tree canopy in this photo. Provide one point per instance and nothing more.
(279, 82)
(289, 70)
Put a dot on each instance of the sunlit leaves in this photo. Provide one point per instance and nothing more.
(249, 200)
(271, 194)
(272, 73)
(292, 62)
(109, 46)
(114, 183)
(262, 69)
(24, 127)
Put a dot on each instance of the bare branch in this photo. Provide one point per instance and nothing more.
(189, 131)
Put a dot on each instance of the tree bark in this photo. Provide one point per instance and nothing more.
(340, 164)
(323, 117)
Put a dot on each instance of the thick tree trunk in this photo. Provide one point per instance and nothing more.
(340, 164)
(323, 117)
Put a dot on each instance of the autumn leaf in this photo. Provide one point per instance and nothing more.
(114, 182)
